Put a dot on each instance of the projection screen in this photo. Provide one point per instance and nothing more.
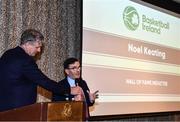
(131, 54)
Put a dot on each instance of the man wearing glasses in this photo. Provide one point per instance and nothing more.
(72, 71)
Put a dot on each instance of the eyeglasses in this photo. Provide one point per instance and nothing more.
(75, 68)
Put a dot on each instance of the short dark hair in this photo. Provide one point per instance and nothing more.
(31, 35)
(69, 61)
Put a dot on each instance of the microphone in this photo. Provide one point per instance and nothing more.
(77, 82)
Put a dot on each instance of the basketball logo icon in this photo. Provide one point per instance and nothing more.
(131, 18)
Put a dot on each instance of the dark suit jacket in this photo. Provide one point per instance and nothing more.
(81, 83)
(19, 77)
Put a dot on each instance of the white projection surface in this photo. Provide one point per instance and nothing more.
(131, 54)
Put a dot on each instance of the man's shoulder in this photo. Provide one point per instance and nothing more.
(83, 80)
(15, 52)
(15, 56)
(63, 81)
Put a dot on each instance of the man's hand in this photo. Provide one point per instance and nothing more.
(93, 96)
(78, 93)
(76, 90)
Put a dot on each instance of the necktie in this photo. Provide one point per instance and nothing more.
(83, 98)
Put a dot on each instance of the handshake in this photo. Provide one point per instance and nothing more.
(79, 95)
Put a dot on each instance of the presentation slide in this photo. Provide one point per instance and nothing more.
(131, 54)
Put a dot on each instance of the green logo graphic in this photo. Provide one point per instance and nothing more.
(131, 18)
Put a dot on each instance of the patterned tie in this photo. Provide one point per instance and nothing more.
(83, 98)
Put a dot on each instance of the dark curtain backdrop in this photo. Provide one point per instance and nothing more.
(58, 20)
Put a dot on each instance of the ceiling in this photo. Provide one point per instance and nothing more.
(172, 5)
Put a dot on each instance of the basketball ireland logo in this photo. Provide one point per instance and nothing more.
(131, 18)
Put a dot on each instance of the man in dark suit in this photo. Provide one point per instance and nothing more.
(20, 75)
(73, 79)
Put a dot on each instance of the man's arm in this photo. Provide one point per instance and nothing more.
(31, 71)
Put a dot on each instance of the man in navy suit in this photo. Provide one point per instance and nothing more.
(72, 71)
(20, 75)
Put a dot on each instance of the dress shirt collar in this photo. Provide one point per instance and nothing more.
(71, 81)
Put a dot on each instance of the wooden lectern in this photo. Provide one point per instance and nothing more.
(47, 111)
